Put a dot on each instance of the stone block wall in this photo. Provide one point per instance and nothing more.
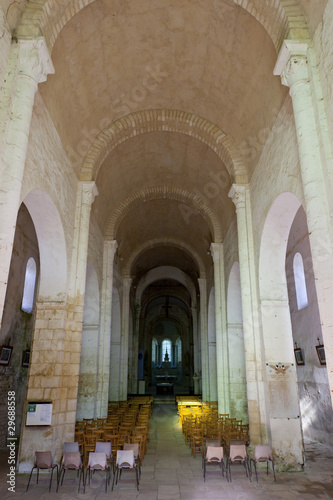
(54, 375)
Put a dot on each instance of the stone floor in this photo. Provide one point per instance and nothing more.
(169, 472)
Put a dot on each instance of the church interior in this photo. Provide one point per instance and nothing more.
(166, 207)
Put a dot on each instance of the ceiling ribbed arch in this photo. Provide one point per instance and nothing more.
(169, 192)
(280, 18)
(167, 120)
(156, 242)
(165, 293)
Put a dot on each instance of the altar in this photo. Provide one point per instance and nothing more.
(164, 388)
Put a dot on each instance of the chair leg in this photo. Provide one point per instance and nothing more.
(80, 471)
(137, 478)
(30, 478)
(85, 481)
(60, 479)
(114, 477)
(273, 470)
(50, 485)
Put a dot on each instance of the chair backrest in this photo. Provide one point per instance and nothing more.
(97, 461)
(125, 458)
(43, 459)
(103, 447)
(212, 442)
(262, 453)
(237, 452)
(134, 447)
(74, 447)
(71, 460)
(214, 453)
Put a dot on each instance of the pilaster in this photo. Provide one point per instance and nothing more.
(124, 338)
(103, 377)
(240, 196)
(204, 339)
(222, 349)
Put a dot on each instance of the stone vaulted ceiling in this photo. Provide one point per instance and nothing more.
(163, 190)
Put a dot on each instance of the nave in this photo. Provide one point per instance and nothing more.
(170, 472)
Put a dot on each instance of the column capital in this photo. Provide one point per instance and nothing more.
(89, 192)
(34, 60)
(127, 283)
(215, 249)
(112, 246)
(202, 284)
(292, 63)
(237, 194)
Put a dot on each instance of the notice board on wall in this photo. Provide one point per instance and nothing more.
(39, 413)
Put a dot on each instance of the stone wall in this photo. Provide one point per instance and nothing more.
(48, 169)
(5, 43)
(17, 325)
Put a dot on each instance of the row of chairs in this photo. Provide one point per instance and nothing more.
(110, 444)
(214, 456)
(201, 422)
(98, 461)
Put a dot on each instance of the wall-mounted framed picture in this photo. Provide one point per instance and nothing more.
(5, 354)
(299, 356)
(26, 358)
(321, 354)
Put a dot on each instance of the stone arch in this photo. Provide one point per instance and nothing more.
(164, 242)
(164, 294)
(163, 272)
(166, 120)
(169, 192)
(280, 18)
(52, 245)
(159, 319)
(275, 234)
(277, 328)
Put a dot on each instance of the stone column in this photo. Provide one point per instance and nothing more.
(29, 64)
(86, 193)
(222, 349)
(124, 338)
(134, 381)
(204, 339)
(103, 376)
(196, 350)
(240, 195)
(297, 69)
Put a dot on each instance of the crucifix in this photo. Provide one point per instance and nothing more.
(167, 307)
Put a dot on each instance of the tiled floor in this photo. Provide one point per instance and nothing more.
(170, 473)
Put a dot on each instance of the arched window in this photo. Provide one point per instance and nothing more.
(166, 350)
(29, 286)
(300, 285)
